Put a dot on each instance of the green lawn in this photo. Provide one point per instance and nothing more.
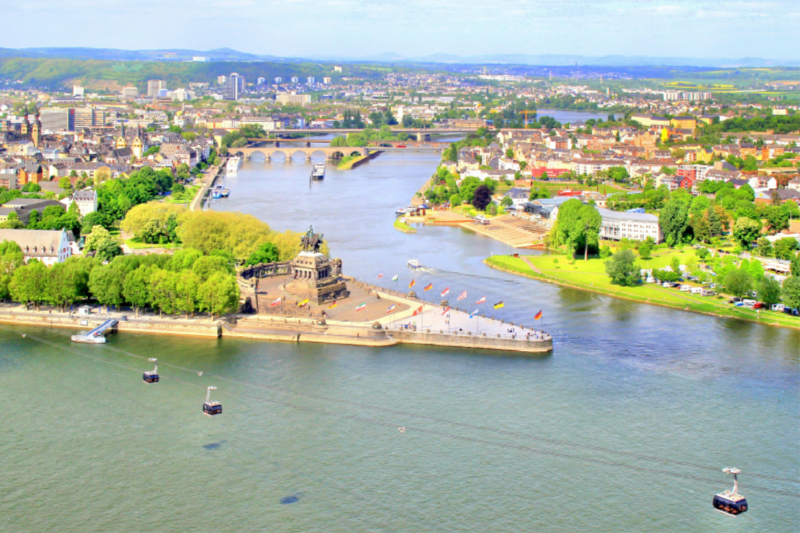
(591, 275)
(185, 197)
(347, 162)
(402, 226)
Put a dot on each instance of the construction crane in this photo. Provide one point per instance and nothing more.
(526, 112)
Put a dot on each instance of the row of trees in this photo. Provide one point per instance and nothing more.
(472, 190)
(577, 227)
(187, 282)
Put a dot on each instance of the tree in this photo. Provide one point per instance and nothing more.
(162, 290)
(738, 282)
(208, 265)
(674, 220)
(29, 283)
(745, 231)
(769, 291)
(218, 295)
(186, 286)
(622, 268)
(482, 198)
(756, 270)
(136, 288)
(507, 201)
(763, 247)
(644, 250)
(62, 285)
(266, 253)
(65, 183)
(586, 229)
(791, 292)
(700, 227)
(795, 266)
(107, 246)
(785, 247)
(106, 283)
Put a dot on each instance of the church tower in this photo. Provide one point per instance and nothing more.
(121, 143)
(36, 132)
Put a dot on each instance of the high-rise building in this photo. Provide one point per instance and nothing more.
(295, 79)
(326, 80)
(279, 80)
(153, 86)
(57, 119)
(311, 80)
(85, 118)
(233, 87)
(261, 81)
(77, 90)
(293, 99)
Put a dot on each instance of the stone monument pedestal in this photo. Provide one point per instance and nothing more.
(317, 278)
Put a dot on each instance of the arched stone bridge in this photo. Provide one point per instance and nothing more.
(289, 152)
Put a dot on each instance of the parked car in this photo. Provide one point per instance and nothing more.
(777, 307)
(734, 300)
(666, 284)
(791, 311)
(759, 305)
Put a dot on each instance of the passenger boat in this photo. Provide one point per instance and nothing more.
(89, 339)
(414, 263)
(233, 165)
(318, 172)
(225, 193)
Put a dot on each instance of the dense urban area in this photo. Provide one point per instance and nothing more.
(687, 184)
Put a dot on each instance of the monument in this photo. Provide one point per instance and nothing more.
(314, 276)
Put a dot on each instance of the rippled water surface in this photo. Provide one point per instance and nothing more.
(625, 427)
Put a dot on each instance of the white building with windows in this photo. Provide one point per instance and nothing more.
(49, 247)
(618, 225)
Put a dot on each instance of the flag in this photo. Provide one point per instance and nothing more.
(429, 286)
(413, 282)
(380, 275)
(538, 315)
(499, 304)
(445, 292)
(361, 306)
(396, 277)
(276, 303)
(462, 295)
(481, 301)
(334, 304)
(446, 310)
(472, 314)
(391, 308)
(417, 311)
(304, 302)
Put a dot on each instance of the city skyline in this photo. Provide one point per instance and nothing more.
(355, 29)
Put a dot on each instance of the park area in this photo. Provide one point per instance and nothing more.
(591, 276)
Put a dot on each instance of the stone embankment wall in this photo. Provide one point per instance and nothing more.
(164, 327)
(473, 341)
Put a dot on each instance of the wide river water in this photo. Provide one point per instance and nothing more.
(624, 427)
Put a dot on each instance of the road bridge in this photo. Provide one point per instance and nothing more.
(290, 152)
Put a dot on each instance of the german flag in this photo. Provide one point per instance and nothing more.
(499, 305)
(538, 315)
(429, 286)
(334, 304)
(413, 282)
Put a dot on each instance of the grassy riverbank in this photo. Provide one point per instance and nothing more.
(591, 276)
(347, 162)
(402, 226)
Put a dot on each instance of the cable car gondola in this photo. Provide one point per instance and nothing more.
(730, 502)
(151, 376)
(211, 408)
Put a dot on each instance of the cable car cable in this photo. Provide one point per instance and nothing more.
(460, 424)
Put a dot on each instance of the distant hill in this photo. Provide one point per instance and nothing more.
(228, 54)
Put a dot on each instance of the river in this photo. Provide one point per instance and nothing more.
(624, 427)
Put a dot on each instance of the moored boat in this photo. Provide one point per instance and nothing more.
(318, 172)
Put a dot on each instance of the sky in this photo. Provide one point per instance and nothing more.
(414, 28)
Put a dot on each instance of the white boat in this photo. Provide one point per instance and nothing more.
(318, 171)
(414, 263)
(233, 165)
(89, 339)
